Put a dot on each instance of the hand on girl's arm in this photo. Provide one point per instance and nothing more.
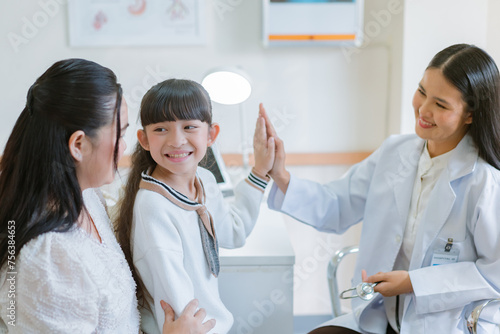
(392, 283)
(189, 322)
(278, 171)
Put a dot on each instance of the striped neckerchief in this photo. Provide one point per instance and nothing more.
(205, 220)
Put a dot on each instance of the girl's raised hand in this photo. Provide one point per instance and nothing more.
(271, 132)
(263, 147)
(189, 322)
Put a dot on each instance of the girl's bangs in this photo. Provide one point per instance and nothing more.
(170, 103)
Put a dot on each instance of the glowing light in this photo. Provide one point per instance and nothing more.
(227, 86)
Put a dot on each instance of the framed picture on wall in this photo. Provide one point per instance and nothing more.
(136, 22)
(312, 22)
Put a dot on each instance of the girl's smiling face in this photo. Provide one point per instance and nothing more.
(441, 115)
(177, 147)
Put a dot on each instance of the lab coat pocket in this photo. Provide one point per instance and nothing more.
(438, 249)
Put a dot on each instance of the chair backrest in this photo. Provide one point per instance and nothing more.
(332, 277)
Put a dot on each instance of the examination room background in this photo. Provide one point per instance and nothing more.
(323, 99)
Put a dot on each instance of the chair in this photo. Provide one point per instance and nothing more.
(471, 317)
(331, 272)
(471, 314)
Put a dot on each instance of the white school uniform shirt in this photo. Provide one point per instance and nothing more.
(168, 254)
(378, 191)
(68, 282)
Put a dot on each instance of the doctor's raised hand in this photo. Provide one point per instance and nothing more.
(427, 202)
(278, 171)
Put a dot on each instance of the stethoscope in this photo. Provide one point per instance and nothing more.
(363, 290)
(366, 292)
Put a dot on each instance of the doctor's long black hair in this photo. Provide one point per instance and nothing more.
(476, 76)
(39, 189)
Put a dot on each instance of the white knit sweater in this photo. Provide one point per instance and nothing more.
(70, 283)
(168, 254)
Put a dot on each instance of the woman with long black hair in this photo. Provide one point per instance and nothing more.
(428, 202)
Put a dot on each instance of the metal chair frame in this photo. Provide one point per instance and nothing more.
(333, 266)
(470, 318)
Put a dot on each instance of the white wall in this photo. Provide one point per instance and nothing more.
(430, 26)
(323, 99)
(493, 30)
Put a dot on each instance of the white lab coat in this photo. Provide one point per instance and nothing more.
(464, 205)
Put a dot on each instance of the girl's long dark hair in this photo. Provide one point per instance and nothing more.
(168, 101)
(476, 76)
(39, 189)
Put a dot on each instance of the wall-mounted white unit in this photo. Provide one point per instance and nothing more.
(313, 22)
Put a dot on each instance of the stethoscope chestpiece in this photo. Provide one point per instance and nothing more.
(363, 290)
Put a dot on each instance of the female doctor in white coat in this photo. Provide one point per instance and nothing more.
(429, 204)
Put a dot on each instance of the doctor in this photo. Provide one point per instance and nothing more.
(429, 204)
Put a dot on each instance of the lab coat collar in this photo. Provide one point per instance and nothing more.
(464, 158)
(462, 162)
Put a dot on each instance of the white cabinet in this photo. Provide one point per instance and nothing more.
(256, 281)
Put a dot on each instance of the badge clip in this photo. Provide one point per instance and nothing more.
(447, 247)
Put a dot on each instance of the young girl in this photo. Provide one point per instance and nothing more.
(173, 217)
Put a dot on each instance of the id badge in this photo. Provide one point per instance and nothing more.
(443, 257)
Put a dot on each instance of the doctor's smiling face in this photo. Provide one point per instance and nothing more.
(441, 114)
